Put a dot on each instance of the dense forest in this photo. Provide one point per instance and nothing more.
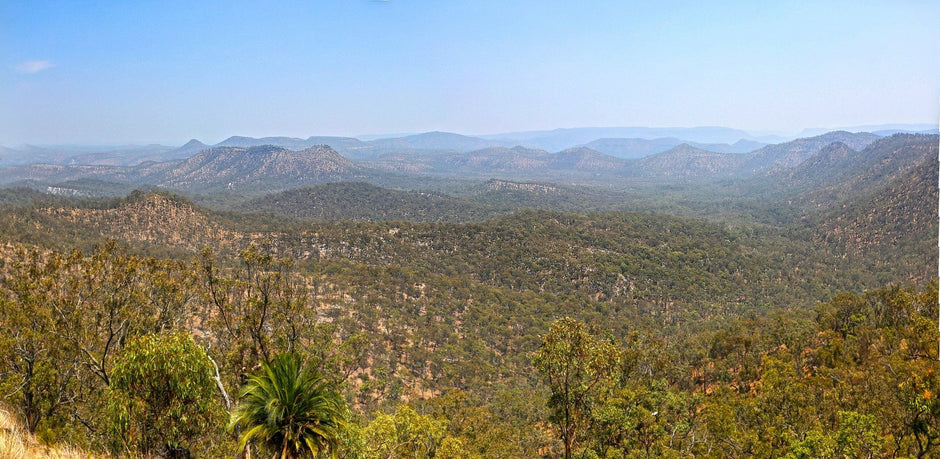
(789, 315)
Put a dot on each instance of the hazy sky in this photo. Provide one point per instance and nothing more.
(167, 71)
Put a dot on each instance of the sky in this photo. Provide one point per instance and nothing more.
(119, 72)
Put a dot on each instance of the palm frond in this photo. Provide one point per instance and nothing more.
(291, 409)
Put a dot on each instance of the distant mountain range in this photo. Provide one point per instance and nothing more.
(558, 139)
(636, 148)
(688, 163)
(66, 155)
(621, 142)
(883, 130)
(247, 168)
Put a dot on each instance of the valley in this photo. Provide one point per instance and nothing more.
(730, 303)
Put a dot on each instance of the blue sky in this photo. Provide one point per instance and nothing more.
(135, 72)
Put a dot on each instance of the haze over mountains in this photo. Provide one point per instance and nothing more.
(241, 162)
(621, 142)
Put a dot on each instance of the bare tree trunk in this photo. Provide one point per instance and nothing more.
(218, 382)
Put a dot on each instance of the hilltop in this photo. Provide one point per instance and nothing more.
(264, 167)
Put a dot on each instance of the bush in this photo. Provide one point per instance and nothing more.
(162, 397)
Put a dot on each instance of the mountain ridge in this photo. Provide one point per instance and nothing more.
(260, 167)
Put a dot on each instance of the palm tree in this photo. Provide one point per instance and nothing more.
(291, 409)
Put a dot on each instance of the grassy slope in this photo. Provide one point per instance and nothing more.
(16, 443)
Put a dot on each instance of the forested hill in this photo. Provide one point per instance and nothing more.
(614, 256)
(472, 203)
(254, 168)
(894, 227)
(791, 154)
(706, 317)
(838, 172)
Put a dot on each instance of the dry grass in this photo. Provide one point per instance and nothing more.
(16, 443)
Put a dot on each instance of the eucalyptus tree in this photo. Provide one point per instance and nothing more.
(162, 397)
(574, 364)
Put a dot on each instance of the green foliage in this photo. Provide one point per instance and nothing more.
(501, 426)
(68, 316)
(573, 363)
(32, 370)
(291, 410)
(862, 385)
(362, 201)
(407, 434)
(262, 306)
(162, 398)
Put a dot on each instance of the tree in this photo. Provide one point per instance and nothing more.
(291, 409)
(256, 310)
(162, 397)
(64, 318)
(37, 373)
(574, 363)
(405, 434)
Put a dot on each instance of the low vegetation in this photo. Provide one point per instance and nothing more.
(17, 443)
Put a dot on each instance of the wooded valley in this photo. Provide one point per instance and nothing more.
(777, 303)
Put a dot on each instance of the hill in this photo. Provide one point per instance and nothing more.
(188, 149)
(678, 260)
(900, 218)
(686, 162)
(885, 214)
(639, 148)
(791, 154)
(832, 162)
(632, 148)
(445, 141)
(838, 172)
(290, 143)
(504, 162)
(516, 195)
(494, 160)
(358, 201)
(584, 159)
(47, 174)
(256, 168)
(120, 155)
(152, 221)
